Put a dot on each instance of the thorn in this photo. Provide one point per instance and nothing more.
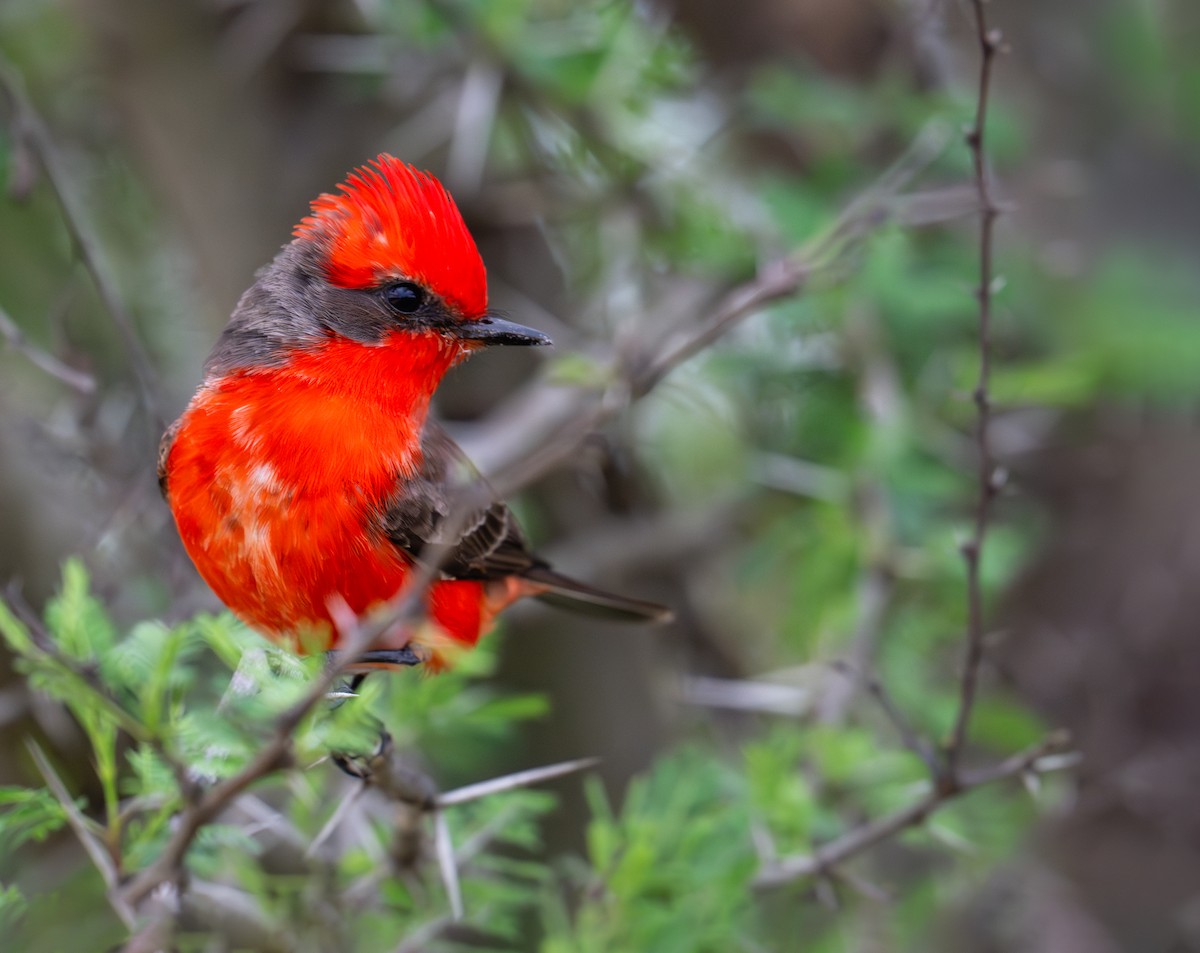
(1032, 782)
(335, 819)
(444, 848)
(826, 894)
(510, 782)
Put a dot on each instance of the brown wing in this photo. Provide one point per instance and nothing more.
(429, 513)
(478, 541)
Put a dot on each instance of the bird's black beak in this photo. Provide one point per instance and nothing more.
(488, 331)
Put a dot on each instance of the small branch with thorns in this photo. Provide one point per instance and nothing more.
(989, 479)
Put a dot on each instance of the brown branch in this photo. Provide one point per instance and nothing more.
(788, 870)
(29, 123)
(76, 380)
(777, 280)
(634, 377)
(87, 839)
(908, 735)
(973, 549)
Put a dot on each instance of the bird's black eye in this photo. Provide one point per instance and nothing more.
(405, 297)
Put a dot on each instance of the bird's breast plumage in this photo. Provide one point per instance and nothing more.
(277, 479)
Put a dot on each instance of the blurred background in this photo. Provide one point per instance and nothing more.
(798, 491)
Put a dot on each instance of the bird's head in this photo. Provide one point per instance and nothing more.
(386, 261)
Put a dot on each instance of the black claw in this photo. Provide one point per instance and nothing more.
(349, 764)
(364, 767)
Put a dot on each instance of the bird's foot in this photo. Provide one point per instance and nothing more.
(364, 767)
(368, 767)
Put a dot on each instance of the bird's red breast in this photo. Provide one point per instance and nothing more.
(278, 477)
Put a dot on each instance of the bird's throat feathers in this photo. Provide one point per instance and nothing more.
(397, 375)
(335, 413)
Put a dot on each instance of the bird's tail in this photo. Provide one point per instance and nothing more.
(567, 593)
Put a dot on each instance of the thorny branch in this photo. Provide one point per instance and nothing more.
(989, 483)
(949, 779)
(1036, 760)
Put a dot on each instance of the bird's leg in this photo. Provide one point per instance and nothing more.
(374, 659)
(364, 768)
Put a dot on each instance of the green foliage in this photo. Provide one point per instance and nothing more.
(27, 815)
(205, 695)
(678, 842)
(12, 907)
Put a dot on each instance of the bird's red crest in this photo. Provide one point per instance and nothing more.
(390, 220)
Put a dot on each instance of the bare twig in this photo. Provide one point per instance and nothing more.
(636, 375)
(30, 123)
(791, 869)
(76, 380)
(745, 694)
(973, 548)
(335, 819)
(87, 839)
(908, 735)
(778, 279)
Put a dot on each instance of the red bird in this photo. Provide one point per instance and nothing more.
(305, 468)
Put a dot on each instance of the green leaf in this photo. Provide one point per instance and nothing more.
(27, 815)
(15, 633)
(78, 621)
(12, 907)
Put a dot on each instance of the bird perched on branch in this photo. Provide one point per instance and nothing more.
(305, 471)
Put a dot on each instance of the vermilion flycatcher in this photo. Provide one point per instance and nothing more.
(305, 468)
